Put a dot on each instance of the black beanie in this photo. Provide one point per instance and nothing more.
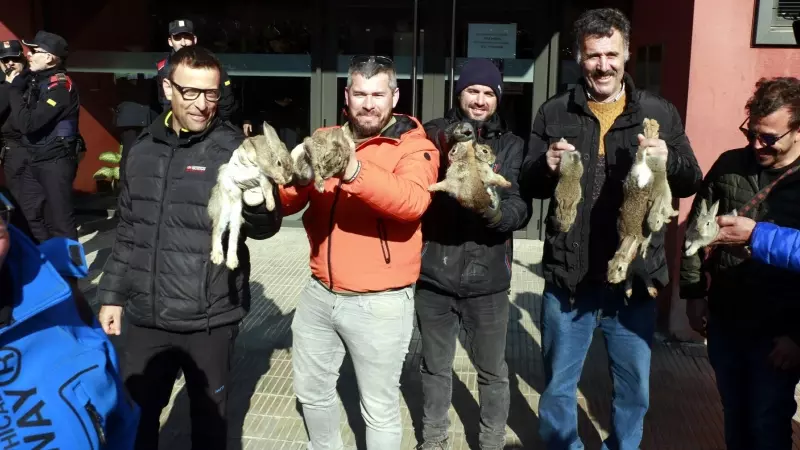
(482, 72)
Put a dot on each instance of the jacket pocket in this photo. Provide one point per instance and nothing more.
(556, 131)
(383, 238)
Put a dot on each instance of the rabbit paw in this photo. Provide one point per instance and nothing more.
(217, 257)
(232, 262)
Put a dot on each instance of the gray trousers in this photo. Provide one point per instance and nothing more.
(376, 330)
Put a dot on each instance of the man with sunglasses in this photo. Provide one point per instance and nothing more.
(13, 155)
(364, 231)
(181, 34)
(750, 312)
(183, 311)
(45, 109)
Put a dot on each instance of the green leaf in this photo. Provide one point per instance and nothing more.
(105, 172)
(115, 171)
(110, 157)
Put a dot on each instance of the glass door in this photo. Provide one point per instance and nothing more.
(505, 36)
(378, 28)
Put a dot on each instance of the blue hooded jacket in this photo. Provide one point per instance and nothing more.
(776, 246)
(59, 378)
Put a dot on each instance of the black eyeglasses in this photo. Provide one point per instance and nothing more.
(12, 59)
(358, 60)
(766, 139)
(190, 93)
(6, 208)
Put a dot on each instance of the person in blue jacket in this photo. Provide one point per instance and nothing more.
(59, 376)
(765, 242)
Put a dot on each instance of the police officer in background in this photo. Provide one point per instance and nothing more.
(13, 155)
(44, 108)
(181, 34)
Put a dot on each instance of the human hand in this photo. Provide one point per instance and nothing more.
(110, 318)
(734, 230)
(5, 242)
(697, 312)
(786, 354)
(655, 147)
(352, 165)
(554, 153)
(247, 128)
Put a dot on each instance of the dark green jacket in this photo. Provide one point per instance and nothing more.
(744, 295)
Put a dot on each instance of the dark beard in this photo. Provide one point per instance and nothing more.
(362, 132)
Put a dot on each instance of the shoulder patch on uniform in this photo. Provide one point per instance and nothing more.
(60, 78)
(51, 102)
(160, 65)
(227, 82)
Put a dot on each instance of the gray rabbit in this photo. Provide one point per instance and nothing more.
(703, 229)
(568, 189)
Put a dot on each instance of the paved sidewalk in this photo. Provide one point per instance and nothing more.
(685, 413)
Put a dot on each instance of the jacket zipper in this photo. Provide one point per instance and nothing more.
(338, 189)
(383, 238)
(97, 422)
(158, 230)
(587, 206)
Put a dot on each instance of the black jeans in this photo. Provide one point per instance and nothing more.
(485, 320)
(151, 363)
(757, 399)
(45, 195)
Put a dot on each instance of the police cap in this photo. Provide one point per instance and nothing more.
(10, 49)
(49, 42)
(181, 26)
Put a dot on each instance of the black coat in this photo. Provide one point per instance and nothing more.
(584, 251)
(746, 296)
(159, 268)
(466, 254)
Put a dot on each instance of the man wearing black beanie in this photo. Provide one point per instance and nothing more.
(466, 267)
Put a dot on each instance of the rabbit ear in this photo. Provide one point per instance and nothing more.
(714, 208)
(703, 207)
(269, 133)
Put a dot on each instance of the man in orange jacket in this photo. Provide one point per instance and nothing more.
(366, 245)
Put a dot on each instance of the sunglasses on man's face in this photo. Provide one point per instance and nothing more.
(11, 60)
(768, 140)
(359, 60)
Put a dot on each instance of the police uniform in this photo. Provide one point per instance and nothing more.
(227, 109)
(13, 155)
(45, 108)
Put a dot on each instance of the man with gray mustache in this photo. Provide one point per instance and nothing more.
(602, 119)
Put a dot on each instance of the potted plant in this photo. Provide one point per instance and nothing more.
(109, 176)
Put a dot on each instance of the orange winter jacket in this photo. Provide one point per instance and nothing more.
(365, 235)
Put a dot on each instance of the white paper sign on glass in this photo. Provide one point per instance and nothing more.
(492, 40)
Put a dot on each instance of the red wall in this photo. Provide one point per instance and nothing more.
(670, 24)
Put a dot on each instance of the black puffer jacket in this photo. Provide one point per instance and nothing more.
(744, 295)
(583, 252)
(159, 268)
(466, 254)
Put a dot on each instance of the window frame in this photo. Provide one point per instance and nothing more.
(769, 30)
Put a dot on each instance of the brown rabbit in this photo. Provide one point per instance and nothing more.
(469, 175)
(568, 189)
(327, 152)
(661, 211)
(272, 162)
(636, 189)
